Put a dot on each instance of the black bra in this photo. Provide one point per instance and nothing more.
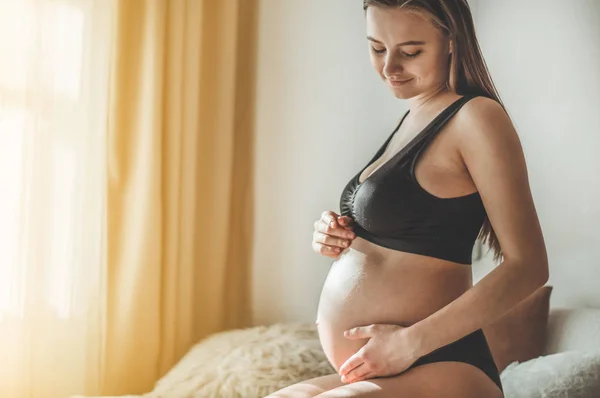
(391, 209)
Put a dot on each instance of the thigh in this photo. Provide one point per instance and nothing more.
(439, 379)
(310, 388)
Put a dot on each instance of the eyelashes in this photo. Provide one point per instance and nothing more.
(376, 51)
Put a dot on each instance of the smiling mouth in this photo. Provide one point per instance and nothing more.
(399, 83)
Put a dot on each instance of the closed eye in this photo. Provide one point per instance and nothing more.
(409, 55)
(412, 55)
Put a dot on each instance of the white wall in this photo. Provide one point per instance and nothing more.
(544, 57)
(322, 113)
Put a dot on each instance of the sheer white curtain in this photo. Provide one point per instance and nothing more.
(54, 62)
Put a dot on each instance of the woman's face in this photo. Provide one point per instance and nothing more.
(405, 47)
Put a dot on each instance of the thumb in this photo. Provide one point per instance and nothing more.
(344, 220)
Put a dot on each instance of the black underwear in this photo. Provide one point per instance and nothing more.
(472, 349)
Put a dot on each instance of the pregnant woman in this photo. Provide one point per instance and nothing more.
(399, 315)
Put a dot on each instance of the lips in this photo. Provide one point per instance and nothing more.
(398, 82)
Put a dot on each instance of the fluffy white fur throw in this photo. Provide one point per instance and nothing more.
(569, 374)
(247, 363)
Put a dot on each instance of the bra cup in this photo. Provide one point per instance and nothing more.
(387, 204)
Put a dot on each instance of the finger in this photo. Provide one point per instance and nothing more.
(328, 240)
(337, 232)
(353, 362)
(360, 332)
(326, 250)
(333, 241)
(331, 249)
(330, 219)
(358, 374)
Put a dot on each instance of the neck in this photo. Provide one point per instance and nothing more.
(424, 100)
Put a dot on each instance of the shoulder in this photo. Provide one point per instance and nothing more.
(484, 122)
(482, 110)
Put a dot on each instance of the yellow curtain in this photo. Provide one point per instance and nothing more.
(126, 161)
(179, 182)
(53, 107)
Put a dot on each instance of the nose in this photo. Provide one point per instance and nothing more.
(392, 66)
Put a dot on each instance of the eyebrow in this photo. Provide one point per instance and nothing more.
(406, 43)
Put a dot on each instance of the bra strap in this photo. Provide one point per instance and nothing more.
(436, 127)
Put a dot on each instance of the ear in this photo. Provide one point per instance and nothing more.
(450, 47)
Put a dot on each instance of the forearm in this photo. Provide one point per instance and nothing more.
(502, 288)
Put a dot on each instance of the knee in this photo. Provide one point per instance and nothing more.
(297, 391)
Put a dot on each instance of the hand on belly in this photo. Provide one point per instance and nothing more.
(360, 293)
(336, 347)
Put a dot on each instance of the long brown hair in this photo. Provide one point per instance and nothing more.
(468, 73)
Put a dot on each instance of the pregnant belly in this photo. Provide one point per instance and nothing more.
(399, 288)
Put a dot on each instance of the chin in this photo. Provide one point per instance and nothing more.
(402, 94)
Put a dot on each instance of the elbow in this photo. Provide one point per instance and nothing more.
(542, 273)
(536, 271)
(538, 267)
(546, 274)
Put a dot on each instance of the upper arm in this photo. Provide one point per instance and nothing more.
(493, 155)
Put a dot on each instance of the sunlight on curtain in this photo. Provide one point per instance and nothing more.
(54, 59)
